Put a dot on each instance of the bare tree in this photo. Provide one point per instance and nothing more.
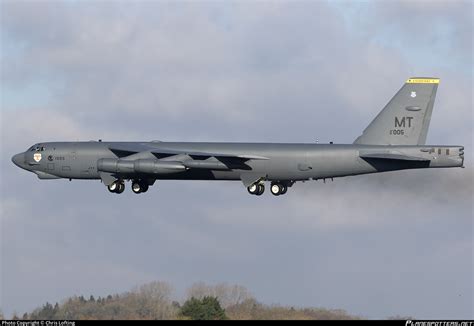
(228, 295)
(154, 300)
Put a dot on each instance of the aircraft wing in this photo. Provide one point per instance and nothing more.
(123, 150)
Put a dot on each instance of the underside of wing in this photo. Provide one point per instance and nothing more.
(123, 150)
(189, 159)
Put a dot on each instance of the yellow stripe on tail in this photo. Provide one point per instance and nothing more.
(423, 81)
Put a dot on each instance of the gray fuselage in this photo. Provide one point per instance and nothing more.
(284, 162)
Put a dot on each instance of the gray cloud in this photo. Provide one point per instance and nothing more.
(239, 72)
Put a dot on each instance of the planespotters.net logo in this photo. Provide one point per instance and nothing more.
(438, 323)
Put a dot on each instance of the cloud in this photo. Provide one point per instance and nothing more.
(290, 72)
(344, 203)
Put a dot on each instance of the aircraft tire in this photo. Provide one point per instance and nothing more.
(261, 190)
(284, 189)
(276, 189)
(144, 187)
(113, 187)
(136, 187)
(120, 188)
(253, 189)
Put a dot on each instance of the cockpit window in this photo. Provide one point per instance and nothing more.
(37, 148)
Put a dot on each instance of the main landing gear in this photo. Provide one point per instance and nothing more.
(256, 189)
(138, 186)
(276, 188)
(117, 187)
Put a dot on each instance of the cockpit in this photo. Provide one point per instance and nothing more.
(36, 148)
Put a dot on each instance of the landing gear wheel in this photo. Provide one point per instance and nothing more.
(113, 187)
(261, 189)
(136, 187)
(144, 187)
(252, 189)
(284, 189)
(276, 189)
(120, 188)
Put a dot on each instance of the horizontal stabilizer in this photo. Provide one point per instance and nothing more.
(391, 156)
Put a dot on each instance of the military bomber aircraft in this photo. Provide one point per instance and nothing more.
(394, 140)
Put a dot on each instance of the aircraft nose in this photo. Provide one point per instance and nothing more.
(19, 159)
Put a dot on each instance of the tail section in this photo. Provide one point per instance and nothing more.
(406, 118)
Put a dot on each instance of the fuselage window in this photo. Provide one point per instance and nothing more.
(439, 151)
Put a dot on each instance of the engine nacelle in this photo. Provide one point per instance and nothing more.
(147, 166)
(157, 167)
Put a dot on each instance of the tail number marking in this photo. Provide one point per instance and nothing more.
(402, 122)
(398, 132)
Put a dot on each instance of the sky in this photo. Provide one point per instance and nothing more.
(398, 243)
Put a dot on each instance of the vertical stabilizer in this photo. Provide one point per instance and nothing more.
(406, 118)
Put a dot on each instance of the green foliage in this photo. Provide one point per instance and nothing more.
(207, 308)
(46, 312)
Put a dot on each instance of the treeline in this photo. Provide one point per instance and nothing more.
(155, 301)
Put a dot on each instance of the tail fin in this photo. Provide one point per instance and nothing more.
(406, 118)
